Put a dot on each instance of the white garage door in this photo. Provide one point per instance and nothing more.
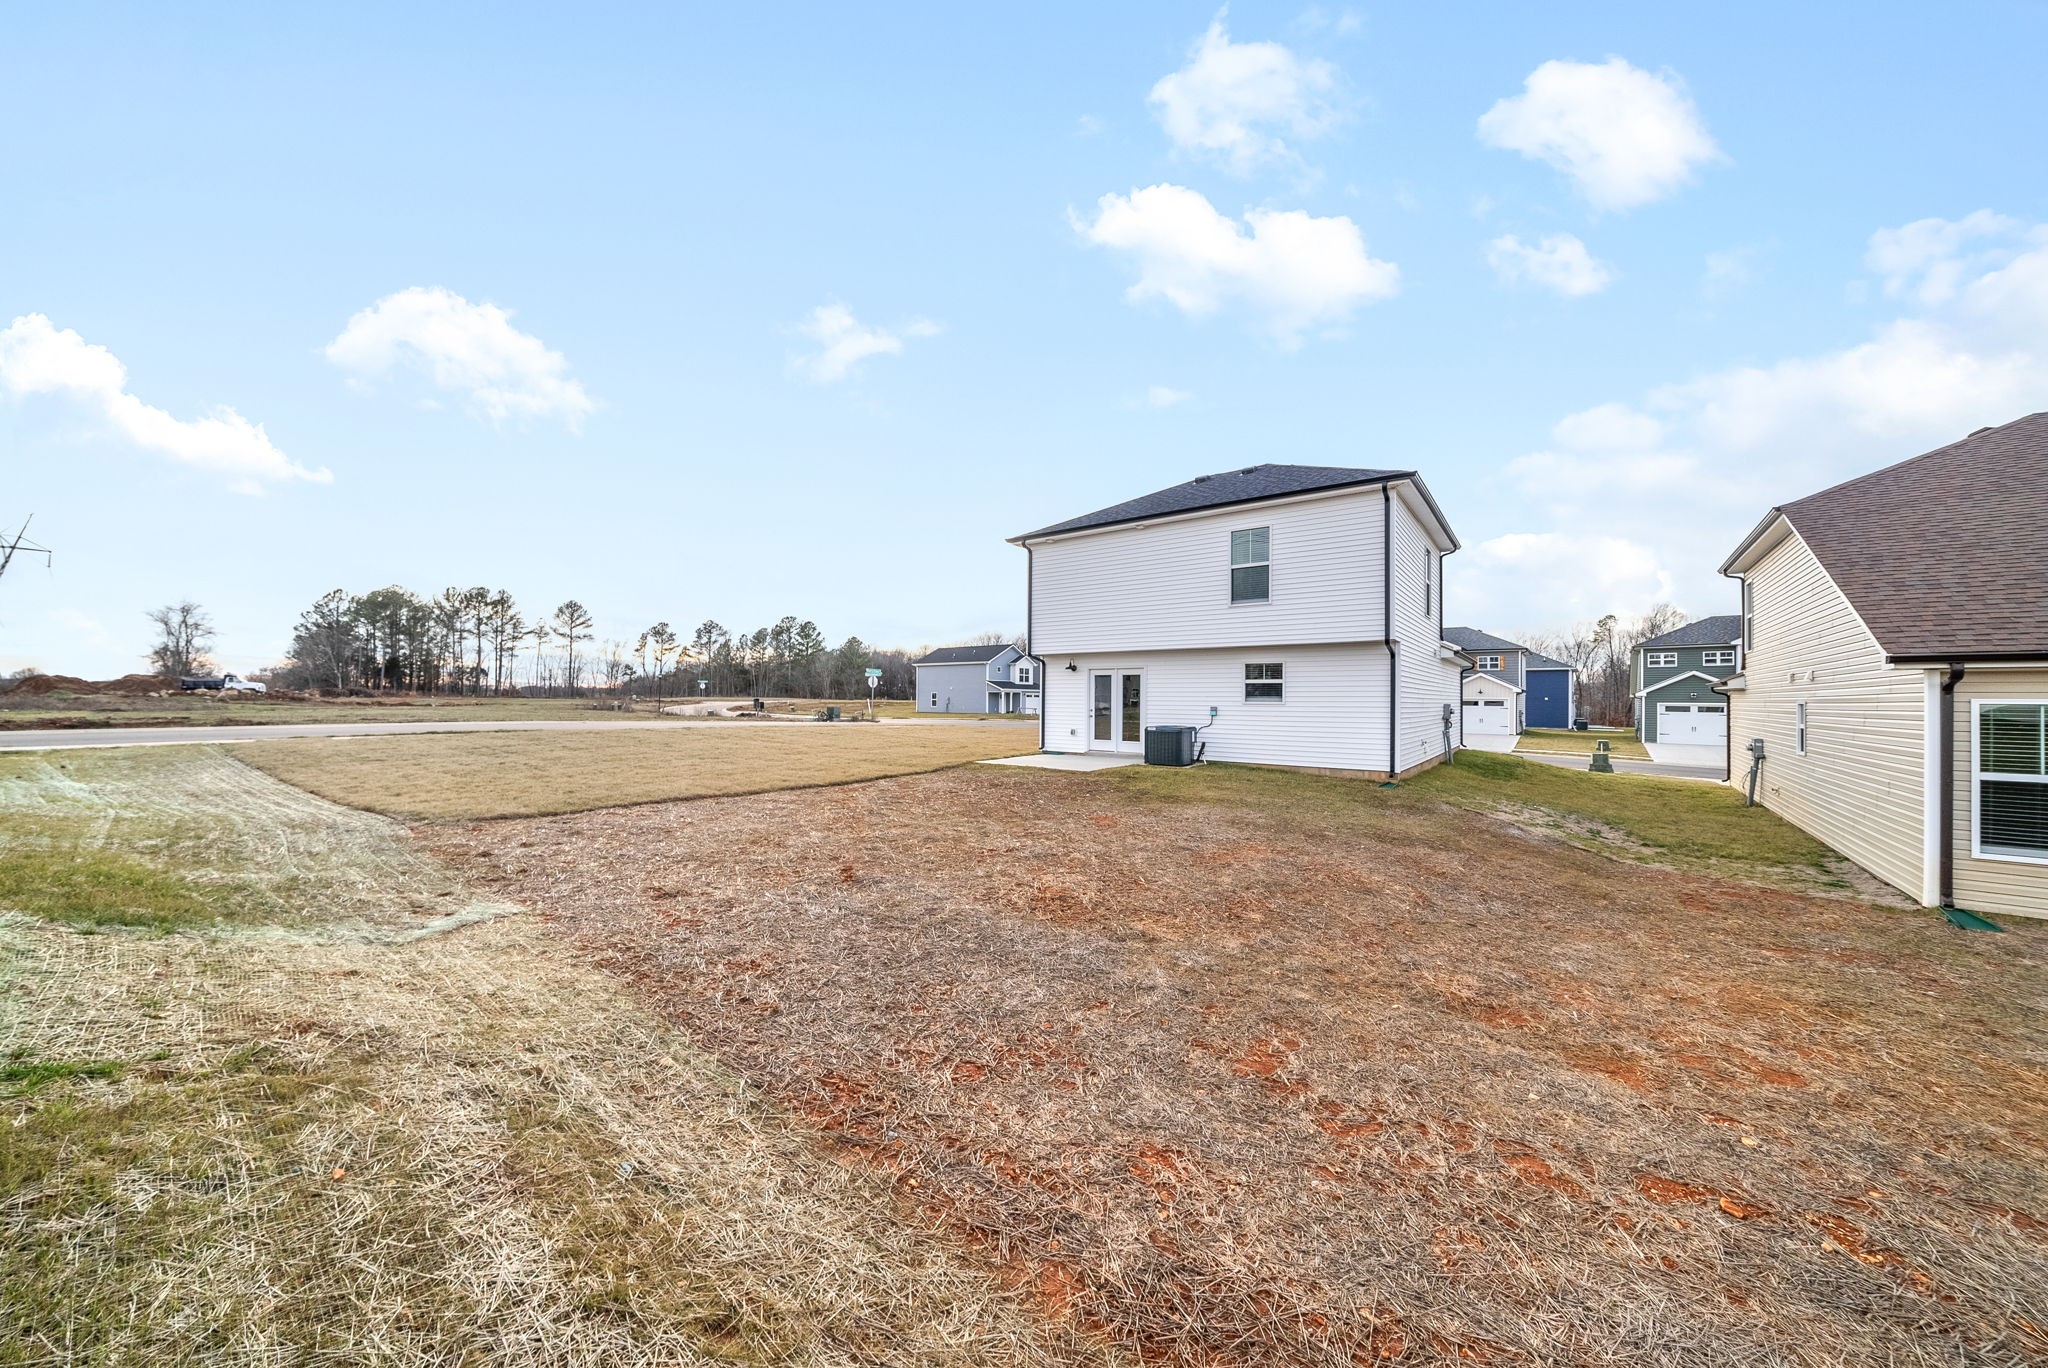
(1489, 717)
(1692, 724)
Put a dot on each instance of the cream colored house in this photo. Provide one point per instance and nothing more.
(1895, 669)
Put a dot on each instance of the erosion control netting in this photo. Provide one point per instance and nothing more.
(1378, 1081)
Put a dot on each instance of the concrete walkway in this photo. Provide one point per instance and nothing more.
(1076, 763)
(1500, 744)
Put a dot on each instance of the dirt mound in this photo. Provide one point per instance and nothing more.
(48, 684)
(135, 684)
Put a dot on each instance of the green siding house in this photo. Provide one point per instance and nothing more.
(1674, 675)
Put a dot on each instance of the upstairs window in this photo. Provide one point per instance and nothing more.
(1717, 657)
(1262, 683)
(1748, 617)
(1488, 662)
(1023, 673)
(1428, 582)
(2011, 780)
(1660, 660)
(1251, 565)
(1799, 726)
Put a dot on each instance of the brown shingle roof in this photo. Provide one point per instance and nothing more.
(1945, 554)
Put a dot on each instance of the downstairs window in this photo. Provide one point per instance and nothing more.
(1262, 683)
(2011, 781)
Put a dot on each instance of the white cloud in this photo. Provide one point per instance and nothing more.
(1292, 271)
(1232, 100)
(1701, 459)
(471, 350)
(1625, 136)
(844, 342)
(1559, 262)
(37, 358)
(1164, 396)
(1582, 576)
(1926, 260)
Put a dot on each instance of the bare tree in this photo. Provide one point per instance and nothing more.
(1603, 654)
(572, 624)
(183, 633)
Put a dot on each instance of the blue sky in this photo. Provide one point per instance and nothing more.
(695, 313)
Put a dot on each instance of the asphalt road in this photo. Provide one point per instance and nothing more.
(1621, 766)
(88, 737)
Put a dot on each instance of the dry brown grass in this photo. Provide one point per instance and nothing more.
(316, 1136)
(507, 774)
(1367, 1079)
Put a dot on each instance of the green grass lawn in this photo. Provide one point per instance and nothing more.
(1581, 742)
(1678, 822)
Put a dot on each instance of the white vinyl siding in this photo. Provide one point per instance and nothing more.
(1166, 585)
(2013, 887)
(1334, 716)
(1429, 683)
(1862, 787)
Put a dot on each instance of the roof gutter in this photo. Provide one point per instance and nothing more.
(1030, 639)
(1961, 658)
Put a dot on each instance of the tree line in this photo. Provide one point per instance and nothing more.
(1603, 653)
(478, 641)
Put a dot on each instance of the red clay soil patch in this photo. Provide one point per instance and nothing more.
(1353, 1080)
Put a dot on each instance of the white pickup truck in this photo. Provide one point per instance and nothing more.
(226, 683)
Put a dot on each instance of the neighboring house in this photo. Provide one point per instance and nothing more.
(1673, 678)
(1511, 686)
(977, 679)
(1492, 693)
(1294, 613)
(1550, 696)
(1896, 669)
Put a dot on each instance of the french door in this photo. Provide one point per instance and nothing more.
(1116, 711)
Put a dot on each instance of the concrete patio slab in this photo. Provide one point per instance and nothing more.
(1078, 763)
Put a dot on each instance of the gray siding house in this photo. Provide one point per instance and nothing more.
(977, 679)
(1674, 677)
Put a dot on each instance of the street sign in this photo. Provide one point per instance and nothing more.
(874, 673)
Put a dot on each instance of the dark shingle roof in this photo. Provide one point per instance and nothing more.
(1725, 630)
(961, 655)
(1538, 661)
(1248, 485)
(1472, 639)
(1945, 554)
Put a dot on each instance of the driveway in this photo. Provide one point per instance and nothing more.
(1502, 744)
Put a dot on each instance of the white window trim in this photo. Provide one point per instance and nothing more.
(1709, 657)
(1660, 660)
(1279, 665)
(1977, 850)
(1229, 586)
(1799, 723)
(1497, 662)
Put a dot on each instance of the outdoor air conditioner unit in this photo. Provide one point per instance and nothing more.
(1169, 745)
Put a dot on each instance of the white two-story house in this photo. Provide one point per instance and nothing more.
(1294, 613)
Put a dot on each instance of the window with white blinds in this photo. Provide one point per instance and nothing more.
(1251, 568)
(2011, 780)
